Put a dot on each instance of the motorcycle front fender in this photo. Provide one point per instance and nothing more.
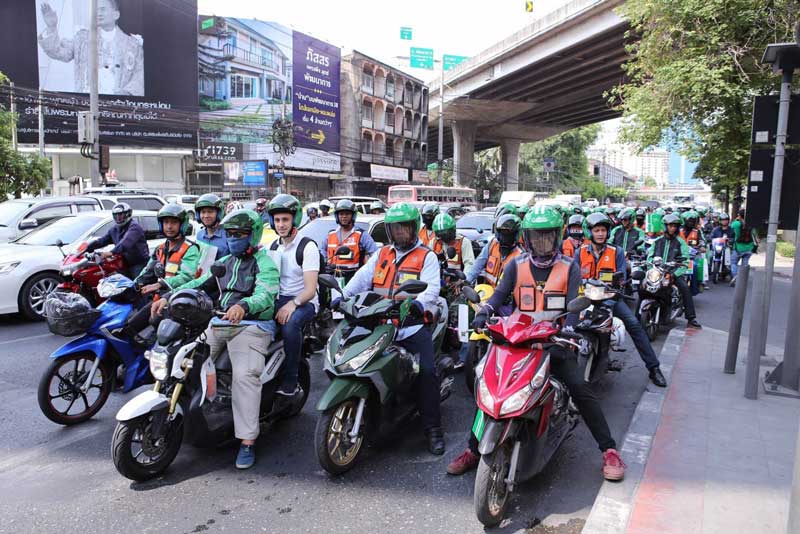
(142, 404)
(647, 304)
(90, 343)
(496, 433)
(341, 389)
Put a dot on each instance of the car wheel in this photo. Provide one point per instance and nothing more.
(34, 292)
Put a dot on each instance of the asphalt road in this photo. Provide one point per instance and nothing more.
(55, 479)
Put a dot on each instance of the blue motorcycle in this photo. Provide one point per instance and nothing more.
(83, 372)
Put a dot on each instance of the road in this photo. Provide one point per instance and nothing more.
(55, 479)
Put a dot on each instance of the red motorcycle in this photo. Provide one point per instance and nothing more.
(82, 272)
(524, 413)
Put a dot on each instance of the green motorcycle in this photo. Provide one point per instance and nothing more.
(372, 390)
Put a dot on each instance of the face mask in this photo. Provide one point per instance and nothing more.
(238, 245)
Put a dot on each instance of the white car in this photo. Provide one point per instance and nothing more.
(29, 266)
(591, 203)
(187, 202)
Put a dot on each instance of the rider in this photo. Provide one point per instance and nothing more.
(611, 213)
(445, 228)
(498, 252)
(641, 219)
(376, 208)
(325, 207)
(209, 208)
(312, 213)
(694, 238)
(261, 209)
(359, 242)
(545, 270)
(297, 301)
(426, 234)
(626, 236)
(671, 246)
(405, 258)
(128, 238)
(575, 236)
(724, 230)
(599, 260)
(248, 290)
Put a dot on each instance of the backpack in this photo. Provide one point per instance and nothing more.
(298, 253)
(744, 234)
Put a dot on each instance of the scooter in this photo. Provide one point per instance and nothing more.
(478, 339)
(191, 400)
(373, 380)
(82, 271)
(83, 371)
(600, 331)
(721, 259)
(658, 295)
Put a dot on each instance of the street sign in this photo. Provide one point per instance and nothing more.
(405, 33)
(278, 175)
(450, 62)
(422, 58)
(529, 6)
(759, 189)
(485, 194)
(549, 164)
(207, 23)
(221, 151)
(255, 173)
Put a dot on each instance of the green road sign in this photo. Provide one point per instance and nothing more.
(206, 24)
(452, 61)
(422, 58)
(405, 33)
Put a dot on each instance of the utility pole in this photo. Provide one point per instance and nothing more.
(13, 119)
(440, 154)
(94, 104)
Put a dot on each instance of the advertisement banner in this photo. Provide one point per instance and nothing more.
(147, 77)
(255, 173)
(388, 173)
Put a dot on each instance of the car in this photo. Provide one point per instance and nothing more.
(319, 228)
(477, 227)
(29, 268)
(21, 215)
(138, 201)
(362, 203)
(185, 201)
(592, 202)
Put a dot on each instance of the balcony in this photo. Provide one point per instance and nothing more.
(231, 52)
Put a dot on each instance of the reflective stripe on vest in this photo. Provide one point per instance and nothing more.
(543, 301)
(457, 263)
(496, 263)
(390, 273)
(353, 241)
(172, 264)
(606, 264)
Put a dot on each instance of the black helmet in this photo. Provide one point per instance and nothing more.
(173, 211)
(429, 212)
(640, 213)
(284, 203)
(598, 218)
(577, 210)
(506, 230)
(121, 213)
(210, 200)
(312, 211)
(671, 218)
(345, 205)
(261, 203)
(191, 308)
(575, 219)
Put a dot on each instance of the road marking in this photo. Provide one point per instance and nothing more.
(29, 338)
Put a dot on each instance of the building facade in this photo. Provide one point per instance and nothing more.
(653, 163)
(610, 175)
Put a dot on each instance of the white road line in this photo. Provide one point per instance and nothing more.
(21, 339)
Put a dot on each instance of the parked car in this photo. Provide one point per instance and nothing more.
(185, 201)
(318, 229)
(477, 227)
(592, 203)
(139, 200)
(20, 216)
(29, 268)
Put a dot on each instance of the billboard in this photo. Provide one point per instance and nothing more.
(147, 75)
(252, 73)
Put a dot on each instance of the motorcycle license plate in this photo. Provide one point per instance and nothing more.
(463, 323)
(479, 425)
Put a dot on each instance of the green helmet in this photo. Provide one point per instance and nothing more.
(402, 215)
(245, 220)
(627, 213)
(210, 200)
(429, 212)
(445, 227)
(541, 231)
(542, 218)
(284, 203)
(522, 211)
(690, 214)
(504, 208)
(174, 211)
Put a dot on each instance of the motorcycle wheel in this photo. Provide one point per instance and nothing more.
(491, 493)
(136, 456)
(59, 388)
(649, 324)
(336, 451)
(475, 352)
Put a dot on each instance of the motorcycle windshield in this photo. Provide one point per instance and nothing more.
(519, 328)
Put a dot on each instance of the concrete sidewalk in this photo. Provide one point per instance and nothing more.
(717, 462)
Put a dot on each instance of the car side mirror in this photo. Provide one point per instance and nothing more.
(471, 295)
(27, 224)
(637, 275)
(412, 286)
(578, 304)
(451, 252)
(159, 270)
(218, 270)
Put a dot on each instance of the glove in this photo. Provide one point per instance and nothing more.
(336, 303)
(480, 320)
(417, 309)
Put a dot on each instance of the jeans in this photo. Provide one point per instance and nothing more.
(292, 333)
(688, 300)
(637, 333)
(735, 257)
(564, 367)
(428, 397)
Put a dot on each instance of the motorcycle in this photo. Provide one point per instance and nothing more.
(372, 389)
(83, 371)
(453, 280)
(657, 293)
(191, 400)
(721, 259)
(82, 271)
(478, 339)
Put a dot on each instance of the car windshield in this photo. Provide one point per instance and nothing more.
(189, 199)
(10, 211)
(318, 229)
(478, 222)
(67, 229)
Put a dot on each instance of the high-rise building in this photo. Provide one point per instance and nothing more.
(653, 163)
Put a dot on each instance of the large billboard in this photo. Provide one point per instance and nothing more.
(147, 74)
(252, 73)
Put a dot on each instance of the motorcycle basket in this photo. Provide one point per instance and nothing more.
(69, 314)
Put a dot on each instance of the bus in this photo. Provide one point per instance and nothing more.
(431, 193)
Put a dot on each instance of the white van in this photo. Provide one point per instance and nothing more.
(518, 198)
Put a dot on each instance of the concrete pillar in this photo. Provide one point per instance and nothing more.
(509, 149)
(464, 151)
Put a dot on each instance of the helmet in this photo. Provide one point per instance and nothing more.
(261, 203)
(617, 334)
(69, 314)
(345, 205)
(505, 207)
(173, 211)
(686, 216)
(191, 308)
(506, 230)
(284, 203)
(445, 227)
(724, 217)
(121, 213)
(670, 218)
(377, 205)
(640, 213)
(326, 205)
(247, 220)
(611, 210)
(576, 220)
(541, 230)
(210, 200)
(401, 216)
(577, 210)
(429, 212)
(702, 210)
(311, 210)
(522, 211)
(598, 218)
(627, 213)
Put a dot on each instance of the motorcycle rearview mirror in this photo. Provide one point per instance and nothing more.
(637, 275)
(451, 252)
(328, 281)
(342, 251)
(471, 295)
(617, 278)
(412, 286)
(218, 270)
(60, 244)
(578, 304)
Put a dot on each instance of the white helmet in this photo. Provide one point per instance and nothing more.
(618, 334)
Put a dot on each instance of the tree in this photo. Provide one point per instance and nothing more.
(650, 182)
(695, 69)
(569, 151)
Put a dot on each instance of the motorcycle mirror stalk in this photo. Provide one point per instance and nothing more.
(471, 295)
(327, 280)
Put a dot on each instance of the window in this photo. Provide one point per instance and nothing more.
(366, 144)
(86, 207)
(389, 148)
(390, 119)
(100, 232)
(243, 86)
(150, 225)
(378, 233)
(390, 89)
(143, 203)
(367, 80)
(367, 111)
(107, 204)
(49, 213)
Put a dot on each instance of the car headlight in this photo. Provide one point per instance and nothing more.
(485, 396)
(597, 293)
(355, 363)
(158, 364)
(8, 266)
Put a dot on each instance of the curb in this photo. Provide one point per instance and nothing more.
(614, 503)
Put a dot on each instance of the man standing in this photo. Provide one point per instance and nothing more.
(128, 238)
(121, 56)
(744, 246)
(360, 244)
(209, 209)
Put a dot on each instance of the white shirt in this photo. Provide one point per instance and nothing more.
(107, 78)
(292, 282)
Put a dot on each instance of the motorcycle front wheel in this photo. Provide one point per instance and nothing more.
(491, 494)
(337, 452)
(649, 324)
(137, 454)
(60, 394)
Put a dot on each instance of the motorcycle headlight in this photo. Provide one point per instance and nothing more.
(158, 364)
(480, 367)
(354, 364)
(596, 293)
(8, 266)
(107, 289)
(517, 400)
(485, 396)
(653, 276)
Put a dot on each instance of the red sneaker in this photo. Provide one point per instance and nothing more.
(467, 461)
(613, 466)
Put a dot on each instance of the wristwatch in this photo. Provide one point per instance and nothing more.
(297, 302)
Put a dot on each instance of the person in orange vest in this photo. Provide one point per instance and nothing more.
(358, 241)
(540, 284)
(601, 261)
(445, 227)
(406, 258)
(498, 252)
(575, 236)
(427, 235)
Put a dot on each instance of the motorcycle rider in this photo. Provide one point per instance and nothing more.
(498, 252)
(626, 235)
(427, 235)
(598, 260)
(261, 209)
(669, 247)
(694, 238)
(575, 236)
(248, 290)
(376, 208)
(209, 208)
(641, 219)
(325, 207)
(359, 242)
(444, 226)
(297, 301)
(128, 239)
(544, 269)
(405, 258)
(312, 213)
(744, 246)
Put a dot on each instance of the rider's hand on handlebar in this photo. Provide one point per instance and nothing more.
(157, 308)
(150, 288)
(234, 314)
(479, 322)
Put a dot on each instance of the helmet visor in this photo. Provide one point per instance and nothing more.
(446, 235)
(428, 218)
(506, 238)
(541, 243)
(402, 234)
(120, 217)
(575, 232)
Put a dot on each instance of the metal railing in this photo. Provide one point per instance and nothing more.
(230, 52)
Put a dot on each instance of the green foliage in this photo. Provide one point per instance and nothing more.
(785, 249)
(211, 104)
(592, 188)
(569, 151)
(694, 72)
(617, 194)
(650, 183)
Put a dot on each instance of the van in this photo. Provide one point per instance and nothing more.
(518, 198)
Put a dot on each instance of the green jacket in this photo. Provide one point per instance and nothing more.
(674, 248)
(737, 230)
(186, 271)
(625, 240)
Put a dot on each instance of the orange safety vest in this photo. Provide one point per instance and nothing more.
(390, 273)
(495, 264)
(430, 240)
(172, 264)
(692, 238)
(603, 269)
(353, 242)
(456, 263)
(542, 300)
(568, 247)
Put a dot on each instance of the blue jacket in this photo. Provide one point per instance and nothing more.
(219, 240)
(129, 240)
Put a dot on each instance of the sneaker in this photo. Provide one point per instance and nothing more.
(613, 466)
(693, 323)
(466, 461)
(246, 457)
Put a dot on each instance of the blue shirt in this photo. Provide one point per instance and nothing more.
(480, 263)
(219, 240)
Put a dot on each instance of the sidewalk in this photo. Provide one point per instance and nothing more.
(717, 462)
(783, 266)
